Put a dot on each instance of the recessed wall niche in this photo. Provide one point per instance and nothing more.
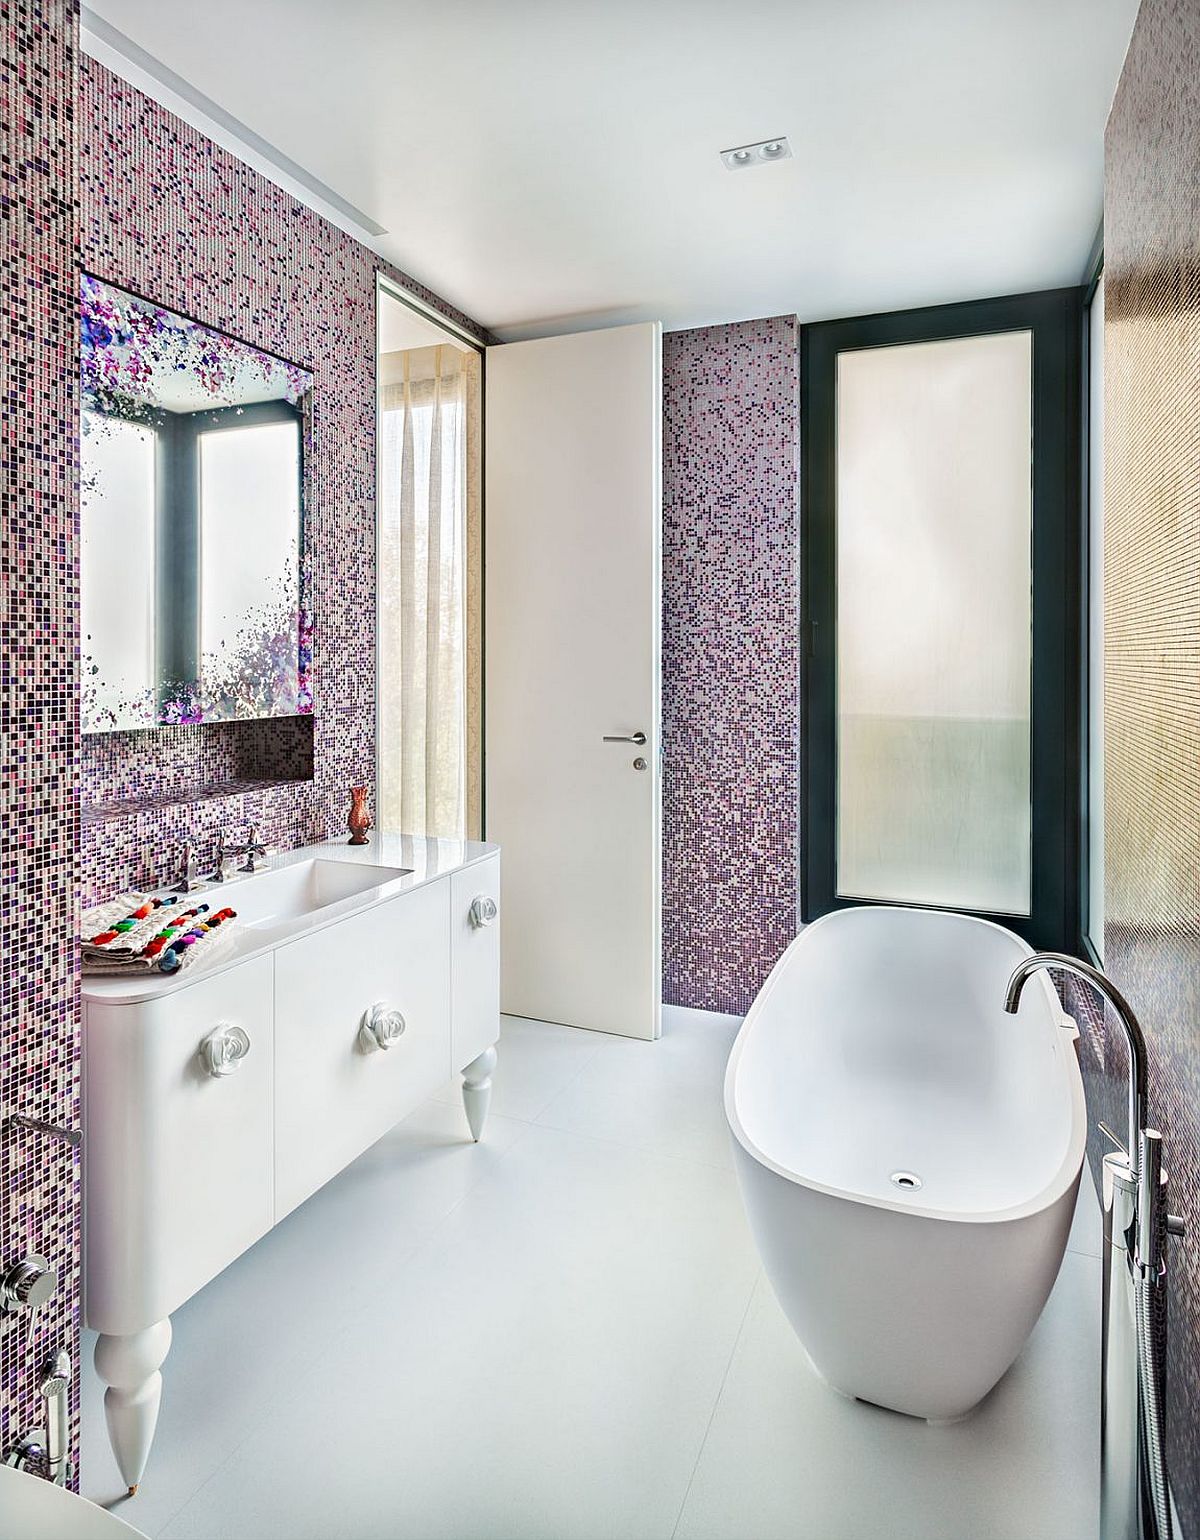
(135, 772)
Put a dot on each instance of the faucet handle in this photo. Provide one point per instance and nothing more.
(219, 855)
(252, 850)
(187, 876)
(1118, 1144)
(26, 1286)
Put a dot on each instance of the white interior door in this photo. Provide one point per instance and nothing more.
(572, 656)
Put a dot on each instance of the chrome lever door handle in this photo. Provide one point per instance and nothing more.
(638, 738)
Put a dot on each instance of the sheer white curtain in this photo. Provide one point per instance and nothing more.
(422, 688)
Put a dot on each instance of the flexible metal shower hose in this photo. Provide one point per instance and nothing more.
(1151, 1308)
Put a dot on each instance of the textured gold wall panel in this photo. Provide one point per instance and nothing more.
(1152, 631)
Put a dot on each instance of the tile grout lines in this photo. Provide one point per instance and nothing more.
(717, 1399)
(418, 1250)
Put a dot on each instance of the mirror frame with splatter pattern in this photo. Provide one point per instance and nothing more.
(194, 579)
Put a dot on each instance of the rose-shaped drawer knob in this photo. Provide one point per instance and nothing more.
(483, 911)
(223, 1050)
(380, 1028)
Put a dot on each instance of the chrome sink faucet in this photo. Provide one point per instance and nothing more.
(254, 851)
(188, 879)
(220, 856)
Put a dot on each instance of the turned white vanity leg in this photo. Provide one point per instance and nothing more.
(477, 1090)
(129, 1367)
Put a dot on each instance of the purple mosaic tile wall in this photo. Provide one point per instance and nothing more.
(731, 549)
(169, 215)
(1152, 636)
(39, 685)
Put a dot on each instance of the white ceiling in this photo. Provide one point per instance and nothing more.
(551, 164)
(401, 328)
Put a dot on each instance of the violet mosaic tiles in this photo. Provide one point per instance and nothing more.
(39, 993)
(1152, 636)
(169, 215)
(730, 663)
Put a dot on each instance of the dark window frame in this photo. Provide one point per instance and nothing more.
(1055, 319)
(1086, 946)
(180, 574)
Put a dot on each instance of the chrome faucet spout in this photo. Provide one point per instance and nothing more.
(1138, 1116)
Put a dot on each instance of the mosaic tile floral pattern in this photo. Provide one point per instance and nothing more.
(730, 663)
(39, 682)
(168, 214)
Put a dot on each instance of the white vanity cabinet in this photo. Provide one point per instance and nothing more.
(216, 1102)
(178, 1173)
(336, 1090)
(475, 944)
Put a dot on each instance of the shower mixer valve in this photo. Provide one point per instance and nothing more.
(26, 1286)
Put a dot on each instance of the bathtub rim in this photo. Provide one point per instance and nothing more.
(1072, 1163)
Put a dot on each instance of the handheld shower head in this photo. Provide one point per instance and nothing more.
(56, 1376)
(55, 1386)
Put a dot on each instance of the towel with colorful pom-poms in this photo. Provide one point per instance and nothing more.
(137, 933)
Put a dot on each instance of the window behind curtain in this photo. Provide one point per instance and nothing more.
(422, 594)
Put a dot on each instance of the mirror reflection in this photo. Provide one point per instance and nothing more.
(191, 469)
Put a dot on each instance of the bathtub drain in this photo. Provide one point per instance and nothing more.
(907, 1179)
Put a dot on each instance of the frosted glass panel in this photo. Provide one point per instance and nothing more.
(117, 497)
(934, 523)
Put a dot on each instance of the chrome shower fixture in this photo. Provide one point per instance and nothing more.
(49, 1451)
(1135, 1499)
(56, 1389)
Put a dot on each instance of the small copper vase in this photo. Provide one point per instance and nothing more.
(359, 820)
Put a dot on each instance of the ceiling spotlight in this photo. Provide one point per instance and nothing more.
(744, 155)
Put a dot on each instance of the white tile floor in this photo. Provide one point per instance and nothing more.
(564, 1332)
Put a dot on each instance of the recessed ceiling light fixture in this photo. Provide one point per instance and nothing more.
(744, 155)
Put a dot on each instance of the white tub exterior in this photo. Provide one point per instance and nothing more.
(880, 1044)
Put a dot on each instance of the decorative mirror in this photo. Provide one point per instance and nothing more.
(192, 531)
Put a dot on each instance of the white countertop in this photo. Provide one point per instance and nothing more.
(425, 860)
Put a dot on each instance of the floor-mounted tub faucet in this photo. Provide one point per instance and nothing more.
(1103, 986)
(1132, 1435)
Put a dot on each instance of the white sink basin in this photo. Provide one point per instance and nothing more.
(35, 1510)
(295, 892)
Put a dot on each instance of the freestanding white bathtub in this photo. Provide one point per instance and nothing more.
(908, 1154)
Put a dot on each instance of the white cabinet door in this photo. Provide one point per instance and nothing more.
(334, 1096)
(177, 1167)
(573, 606)
(475, 959)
